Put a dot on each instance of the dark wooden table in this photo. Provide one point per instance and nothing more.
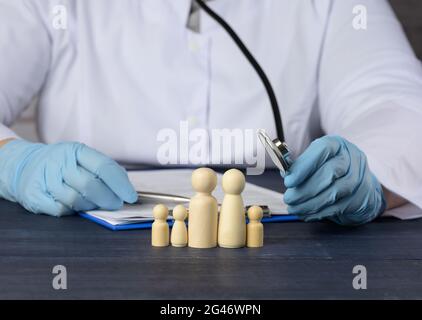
(299, 261)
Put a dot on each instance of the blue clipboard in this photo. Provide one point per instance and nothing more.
(148, 224)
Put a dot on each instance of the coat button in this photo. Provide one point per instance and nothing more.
(194, 46)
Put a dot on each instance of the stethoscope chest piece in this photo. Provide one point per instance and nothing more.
(277, 150)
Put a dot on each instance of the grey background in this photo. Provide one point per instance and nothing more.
(409, 13)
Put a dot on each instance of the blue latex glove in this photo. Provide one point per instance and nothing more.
(61, 178)
(331, 179)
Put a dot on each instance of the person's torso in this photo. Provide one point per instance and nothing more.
(124, 72)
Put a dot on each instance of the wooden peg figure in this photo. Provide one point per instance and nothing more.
(203, 210)
(232, 224)
(160, 228)
(179, 232)
(255, 229)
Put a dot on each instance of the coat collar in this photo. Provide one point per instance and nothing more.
(181, 8)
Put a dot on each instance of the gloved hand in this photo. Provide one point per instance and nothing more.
(331, 179)
(61, 178)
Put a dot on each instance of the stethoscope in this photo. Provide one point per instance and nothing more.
(276, 148)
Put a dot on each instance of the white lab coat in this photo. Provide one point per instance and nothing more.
(123, 70)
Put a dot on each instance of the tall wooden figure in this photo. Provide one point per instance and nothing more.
(203, 210)
(179, 232)
(232, 224)
(255, 229)
(160, 228)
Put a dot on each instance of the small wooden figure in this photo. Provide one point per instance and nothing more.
(232, 224)
(179, 232)
(255, 229)
(160, 228)
(203, 210)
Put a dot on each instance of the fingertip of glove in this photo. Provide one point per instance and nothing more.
(115, 205)
(291, 210)
(290, 180)
(288, 196)
(131, 197)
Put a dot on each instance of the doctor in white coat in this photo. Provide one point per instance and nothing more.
(112, 74)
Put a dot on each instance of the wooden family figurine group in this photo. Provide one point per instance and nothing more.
(206, 227)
